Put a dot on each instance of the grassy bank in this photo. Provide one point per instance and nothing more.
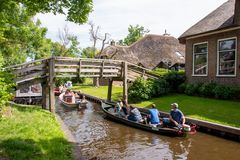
(213, 110)
(31, 133)
(101, 91)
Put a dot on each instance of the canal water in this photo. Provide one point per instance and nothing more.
(102, 139)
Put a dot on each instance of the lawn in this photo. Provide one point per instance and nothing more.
(101, 91)
(213, 110)
(31, 133)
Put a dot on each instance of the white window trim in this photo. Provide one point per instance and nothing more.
(217, 75)
(193, 55)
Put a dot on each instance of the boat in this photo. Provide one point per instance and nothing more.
(108, 109)
(79, 104)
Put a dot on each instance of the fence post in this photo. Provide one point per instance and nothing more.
(125, 85)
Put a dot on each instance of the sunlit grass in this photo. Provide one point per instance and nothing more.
(32, 133)
(101, 91)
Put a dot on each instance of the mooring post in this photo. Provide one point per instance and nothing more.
(109, 96)
(125, 85)
(51, 84)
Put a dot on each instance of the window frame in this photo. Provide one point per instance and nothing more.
(193, 60)
(218, 47)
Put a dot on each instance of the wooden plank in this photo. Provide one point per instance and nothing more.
(84, 70)
(31, 68)
(125, 77)
(25, 64)
(31, 76)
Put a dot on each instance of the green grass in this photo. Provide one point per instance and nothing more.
(213, 110)
(32, 133)
(101, 91)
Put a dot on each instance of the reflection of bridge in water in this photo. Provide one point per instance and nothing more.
(45, 71)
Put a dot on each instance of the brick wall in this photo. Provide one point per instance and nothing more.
(212, 59)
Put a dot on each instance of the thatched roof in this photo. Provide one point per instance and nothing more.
(222, 17)
(149, 51)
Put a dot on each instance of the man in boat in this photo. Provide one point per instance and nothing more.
(176, 117)
(134, 115)
(154, 116)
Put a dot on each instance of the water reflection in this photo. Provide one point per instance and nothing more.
(103, 139)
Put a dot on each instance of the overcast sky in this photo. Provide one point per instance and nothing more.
(114, 17)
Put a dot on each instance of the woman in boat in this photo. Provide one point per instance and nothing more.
(69, 96)
(134, 115)
(154, 116)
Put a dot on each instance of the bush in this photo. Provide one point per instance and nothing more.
(6, 87)
(174, 79)
(207, 89)
(192, 89)
(182, 87)
(224, 92)
(139, 90)
(159, 87)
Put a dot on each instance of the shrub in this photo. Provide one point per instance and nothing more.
(207, 89)
(159, 87)
(224, 92)
(191, 89)
(6, 87)
(182, 87)
(174, 79)
(139, 90)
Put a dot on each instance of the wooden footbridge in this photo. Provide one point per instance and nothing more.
(45, 71)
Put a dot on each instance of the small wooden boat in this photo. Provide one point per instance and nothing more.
(108, 109)
(79, 104)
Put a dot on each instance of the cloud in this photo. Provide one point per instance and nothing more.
(114, 17)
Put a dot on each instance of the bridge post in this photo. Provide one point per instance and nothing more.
(51, 83)
(125, 85)
(45, 95)
(109, 96)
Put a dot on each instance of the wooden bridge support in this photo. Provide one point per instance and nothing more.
(125, 85)
(109, 96)
(48, 97)
(51, 84)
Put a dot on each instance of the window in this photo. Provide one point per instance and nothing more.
(200, 53)
(227, 57)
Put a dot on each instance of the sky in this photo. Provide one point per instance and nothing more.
(115, 16)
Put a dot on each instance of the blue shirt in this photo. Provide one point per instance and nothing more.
(177, 115)
(154, 116)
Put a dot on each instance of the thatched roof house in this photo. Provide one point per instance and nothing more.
(213, 46)
(149, 51)
(223, 17)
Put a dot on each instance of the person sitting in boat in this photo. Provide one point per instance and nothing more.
(69, 96)
(154, 116)
(83, 100)
(134, 115)
(176, 117)
(125, 107)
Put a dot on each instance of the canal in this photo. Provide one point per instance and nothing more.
(100, 138)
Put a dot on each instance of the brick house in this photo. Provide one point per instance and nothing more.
(213, 46)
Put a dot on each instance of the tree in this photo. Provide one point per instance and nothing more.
(134, 34)
(87, 53)
(69, 44)
(76, 10)
(94, 35)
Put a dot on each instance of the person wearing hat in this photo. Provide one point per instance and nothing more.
(176, 116)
